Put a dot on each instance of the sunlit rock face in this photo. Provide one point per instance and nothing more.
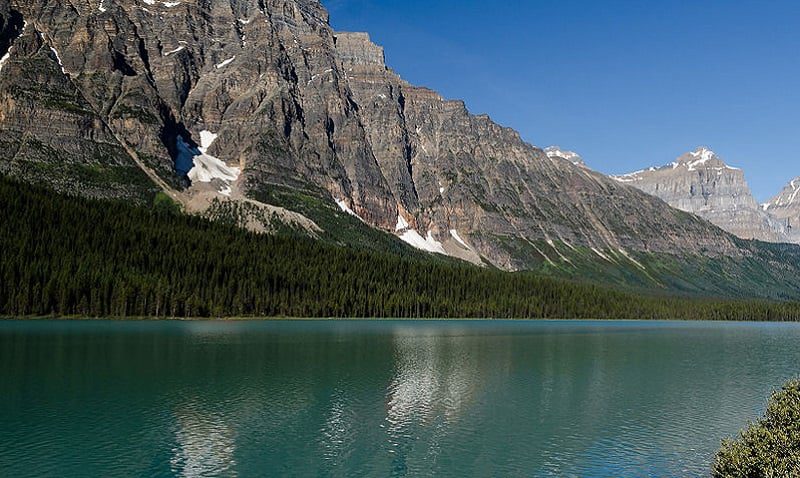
(137, 83)
(701, 183)
(456, 175)
(785, 208)
(233, 99)
(571, 156)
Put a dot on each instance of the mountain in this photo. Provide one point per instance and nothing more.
(701, 183)
(257, 113)
(785, 208)
(571, 156)
(461, 180)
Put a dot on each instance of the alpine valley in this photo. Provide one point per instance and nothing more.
(255, 114)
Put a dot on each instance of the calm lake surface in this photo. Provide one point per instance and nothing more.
(364, 398)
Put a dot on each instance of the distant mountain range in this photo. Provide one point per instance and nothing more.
(259, 114)
(701, 183)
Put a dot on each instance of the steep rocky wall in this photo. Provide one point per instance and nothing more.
(102, 97)
(701, 183)
(50, 132)
(453, 171)
(785, 209)
(260, 75)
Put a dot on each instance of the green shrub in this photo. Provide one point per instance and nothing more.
(769, 448)
(164, 204)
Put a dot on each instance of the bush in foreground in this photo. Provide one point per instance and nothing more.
(769, 448)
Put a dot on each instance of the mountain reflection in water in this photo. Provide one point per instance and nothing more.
(363, 398)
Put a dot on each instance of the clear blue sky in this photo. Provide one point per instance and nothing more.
(625, 83)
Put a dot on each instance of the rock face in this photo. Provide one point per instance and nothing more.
(785, 208)
(112, 84)
(701, 183)
(451, 171)
(571, 156)
(221, 101)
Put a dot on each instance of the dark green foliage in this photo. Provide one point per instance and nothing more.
(165, 169)
(765, 270)
(137, 112)
(769, 448)
(164, 204)
(338, 227)
(64, 255)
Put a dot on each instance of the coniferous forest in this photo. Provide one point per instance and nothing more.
(67, 256)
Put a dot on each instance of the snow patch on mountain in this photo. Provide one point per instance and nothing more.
(402, 224)
(346, 208)
(428, 243)
(225, 63)
(454, 235)
(204, 167)
(787, 197)
(553, 152)
(58, 58)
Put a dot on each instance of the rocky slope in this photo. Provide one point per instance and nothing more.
(257, 110)
(785, 208)
(462, 180)
(701, 183)
(571, 156)
(245, 91)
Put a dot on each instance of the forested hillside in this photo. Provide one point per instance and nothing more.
(62, 255)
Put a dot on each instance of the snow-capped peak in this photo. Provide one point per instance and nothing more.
(695, 159)
(557, 152)
(700, 158)
(703, 154)
(788, 197)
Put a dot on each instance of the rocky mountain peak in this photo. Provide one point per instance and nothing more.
(356, 48)
(785, 208)
(702, 157)
(789, 196)
(700, 182)
(558, 152)
(248, 108)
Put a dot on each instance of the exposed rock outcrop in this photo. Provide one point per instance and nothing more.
(701, 183)
(128, 82)
(453, 171)
(228, 100)
(785, 208)
(571, 156)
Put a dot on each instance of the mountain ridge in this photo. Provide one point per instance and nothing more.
(259, 113)
(700, 182)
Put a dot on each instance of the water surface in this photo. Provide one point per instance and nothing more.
(361, 398)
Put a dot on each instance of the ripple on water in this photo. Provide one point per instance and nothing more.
(381, 399)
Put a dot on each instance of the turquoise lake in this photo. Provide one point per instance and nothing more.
(381, 398)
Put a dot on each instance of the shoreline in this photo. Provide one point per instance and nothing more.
(359, 319)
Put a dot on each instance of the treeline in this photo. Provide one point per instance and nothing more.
(69, 256)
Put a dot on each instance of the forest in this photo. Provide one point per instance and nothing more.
(67, 256)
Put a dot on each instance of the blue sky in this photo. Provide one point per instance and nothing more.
(625, 83)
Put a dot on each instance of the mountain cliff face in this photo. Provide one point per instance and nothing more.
(785, 208)
(93, 89)
(701, 183)
(461, 179)
(257, 110)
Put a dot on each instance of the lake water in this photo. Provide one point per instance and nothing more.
(363, 398)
